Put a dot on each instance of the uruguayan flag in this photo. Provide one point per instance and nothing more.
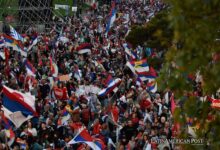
(15, 34)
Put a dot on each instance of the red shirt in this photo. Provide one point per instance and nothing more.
(96, 128)
(145, 103)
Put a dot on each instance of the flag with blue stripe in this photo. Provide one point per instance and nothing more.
(15, 34)
(152, 85)
(83, 136)
(112, 18)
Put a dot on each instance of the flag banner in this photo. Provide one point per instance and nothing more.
(53, 68)
(152, 86)
(215, 103)
(173, 104)
(151, 74)
(33, 43)
(8, 129)
(2, 43)
(83, 136)
(111, 86)
(130, 53)
(15, 44)
(15, 34)
(58, 93)
(138, 67)
(30, 68)
(84, 48)
(112, 18)
(18, 107)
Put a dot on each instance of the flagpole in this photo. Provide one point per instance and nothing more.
(119, 85)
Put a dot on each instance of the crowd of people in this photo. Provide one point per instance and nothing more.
(129, 118)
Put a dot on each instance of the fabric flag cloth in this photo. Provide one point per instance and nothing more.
(152, 85)
(29, 81)
(173, 104)
(5, 55)
(151, 74)
(130, 53)
(58, 93)
(8, 129)
(112, 18)
(84, 48)
(65, 117)
(83, 136)
(139, 82)
(53, 68)
(15, 34)
(115, 114)
(63, 39)
(15, 44)
(2, 55)
(76, 73)
(215, 103)
(33, 43)
(18, 107)
(111, 86)
(30, 68)
(138, 67)
(2, 43)
(100, 143)
(108, 80)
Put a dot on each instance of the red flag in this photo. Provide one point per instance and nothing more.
(115, 113)
(58, 92)
(96, 128)
(175, 129)
(173, 104)
(215, 103)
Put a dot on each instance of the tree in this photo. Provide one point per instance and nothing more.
(196, 28)
(157, 33)
(195, 42)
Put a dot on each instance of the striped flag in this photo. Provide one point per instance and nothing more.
(130, 53)
(138, 67)
(83, 136)
(53, 68)
(18, 107)
(8, 129)
(152, 86)
(15, 44)
(84, 48)
(15, 34)
(30, 68)
(151, 74)
(65, 116)
(2, 43)
(111, 86)
(33, 43)
(112, 17)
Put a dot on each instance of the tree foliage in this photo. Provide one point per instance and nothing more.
(157, 33)
(196, 27)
